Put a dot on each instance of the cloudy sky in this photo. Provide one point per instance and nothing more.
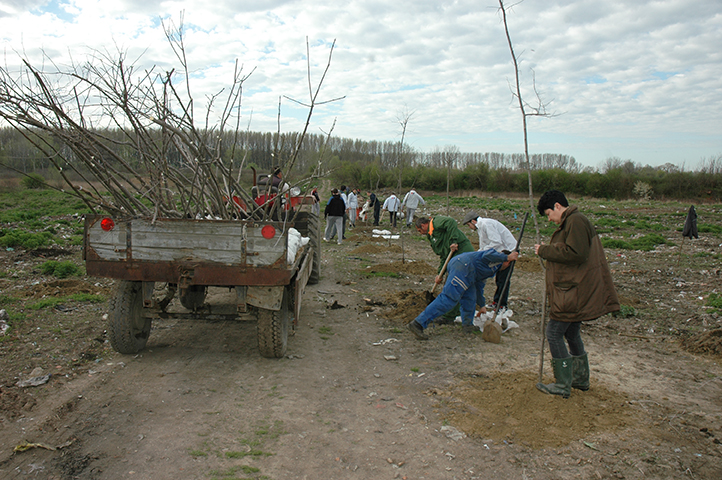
(635, 79)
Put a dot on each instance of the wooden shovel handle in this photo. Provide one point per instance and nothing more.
(443, 270)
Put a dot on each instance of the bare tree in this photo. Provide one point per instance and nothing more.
(403, 118)
(527, 110)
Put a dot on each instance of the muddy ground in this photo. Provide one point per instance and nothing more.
(357, 396)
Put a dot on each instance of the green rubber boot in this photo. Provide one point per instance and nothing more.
(580, 372)
(562, 378)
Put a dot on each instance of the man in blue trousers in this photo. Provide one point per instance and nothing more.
(464, 285)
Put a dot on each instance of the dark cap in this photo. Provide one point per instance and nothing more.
(469, 217)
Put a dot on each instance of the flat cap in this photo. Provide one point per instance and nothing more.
(469, 217)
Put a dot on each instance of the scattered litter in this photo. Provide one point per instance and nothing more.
(34, 381)
(385, 234)
(386, 342)
(402, 406)
(452, 433)
(590, 445)
(4, 318)
(481, 320)
(390, 357)
(25, 446)
(335, 305)
(295, 355)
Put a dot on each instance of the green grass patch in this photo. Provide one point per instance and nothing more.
(645, 225)
(22, 238)
(382, 274)
(705, 228)
(645, 243)
(197, 453)
(609, 222)
(715, 301)
(250, 453)
(76, 297)
(62, 269)
(625, 311)
(233, 472)
(324, 330)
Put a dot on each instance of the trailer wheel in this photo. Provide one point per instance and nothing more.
(128, 330)
(193, 297)
(309, 225)
(273, 329)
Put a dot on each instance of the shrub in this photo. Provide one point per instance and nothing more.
(33, 181)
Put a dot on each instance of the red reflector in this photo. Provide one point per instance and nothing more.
(268, 232)
(107, 224)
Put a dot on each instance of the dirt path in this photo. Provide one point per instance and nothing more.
(359, 397)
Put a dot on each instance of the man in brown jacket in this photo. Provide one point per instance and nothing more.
(580, 288)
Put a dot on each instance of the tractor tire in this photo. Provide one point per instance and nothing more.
(273, 329)
(309, 225)
(128, 329)
(193, 297)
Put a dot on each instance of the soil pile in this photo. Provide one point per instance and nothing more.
(709, 342)
(507, 407)
(406, 305)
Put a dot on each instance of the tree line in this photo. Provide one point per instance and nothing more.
(380, 165)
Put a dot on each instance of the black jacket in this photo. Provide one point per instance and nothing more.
(335, 207)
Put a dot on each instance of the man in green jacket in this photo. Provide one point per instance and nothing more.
(444, 236)
(580, 288)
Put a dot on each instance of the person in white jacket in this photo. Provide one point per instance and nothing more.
(352, 206)
(493, 234)
(392, 205)
(412, 200)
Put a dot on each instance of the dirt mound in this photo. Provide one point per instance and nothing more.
(408, 268)
(706, 342)
(507, 407)
(406, 305)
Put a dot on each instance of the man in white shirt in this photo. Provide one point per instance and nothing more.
(392, 205)
(493, 234)
(352, 204)
(411, 201)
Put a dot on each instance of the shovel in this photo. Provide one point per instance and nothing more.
(443, 270)
(504, 321)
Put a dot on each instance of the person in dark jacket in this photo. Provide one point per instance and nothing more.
(580, 288)
(375, 204)
(334, 212)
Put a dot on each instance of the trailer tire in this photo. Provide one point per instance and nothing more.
(128, 329)
(193, 297)
(272, 329)
(309, 225)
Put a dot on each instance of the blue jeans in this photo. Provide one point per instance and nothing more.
(557, 332)
(459, 288)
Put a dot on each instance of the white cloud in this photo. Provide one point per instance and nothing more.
(630, 78)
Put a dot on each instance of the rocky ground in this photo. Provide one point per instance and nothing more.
(357, 396)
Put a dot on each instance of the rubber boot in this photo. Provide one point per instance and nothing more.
(580, 372)
(562, 378)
